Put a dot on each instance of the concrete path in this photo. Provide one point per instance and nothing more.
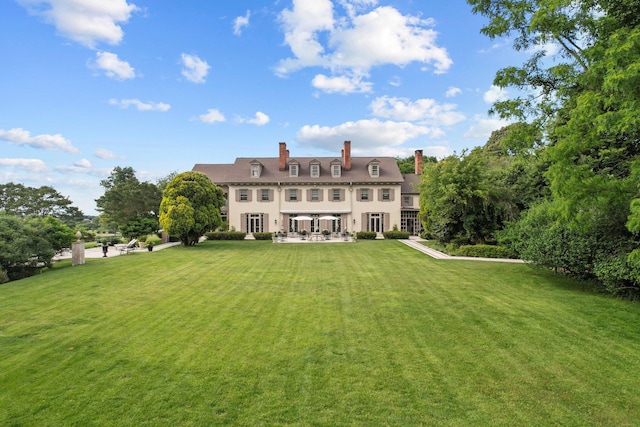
(414, 243)
(97, 252)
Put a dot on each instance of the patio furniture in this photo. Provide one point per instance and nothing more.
(125, 249)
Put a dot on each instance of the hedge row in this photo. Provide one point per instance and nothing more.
(485, 251)
(263, 235)
(396, 234)
(366, 235)
(226, 235)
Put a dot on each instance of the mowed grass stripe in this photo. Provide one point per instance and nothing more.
(367, 333)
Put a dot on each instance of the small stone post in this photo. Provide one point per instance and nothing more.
(77, 250)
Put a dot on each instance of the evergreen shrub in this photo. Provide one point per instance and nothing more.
(396, 234)
(366, 235)
(225, 235)
(485, 251)
(263, 235)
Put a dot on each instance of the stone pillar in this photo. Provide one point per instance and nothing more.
(77, 251)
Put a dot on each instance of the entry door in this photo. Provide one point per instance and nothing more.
(255, 223)
(375, 222)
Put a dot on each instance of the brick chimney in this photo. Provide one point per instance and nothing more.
(418, 162)
(284, 154)
(346, 155)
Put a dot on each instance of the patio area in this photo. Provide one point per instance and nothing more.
(313, 238)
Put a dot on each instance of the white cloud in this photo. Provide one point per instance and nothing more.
(240, 22)
(83, 163)
(354, 44)
(370, 134)
(85, 21)
(195, 69)
(31, 165)
(141, 106)
(453, 91)
(113, 66)
(385, 36)
(81, 166)
(395, 81)
(437, 151)
(426, 111)
(353, 6)
(341, 84)
(212, 116)
(302, 26)
(260, 119)
(483, 126)
(550, 48)
(20, 136)
(494, 94)
(101, 153)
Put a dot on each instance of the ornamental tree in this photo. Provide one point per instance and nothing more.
(126, 198)
(190, 207)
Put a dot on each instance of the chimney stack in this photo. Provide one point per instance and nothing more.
(346, 155)
(418, 162)
(284, 154)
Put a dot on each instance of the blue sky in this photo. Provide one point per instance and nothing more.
(88, 85)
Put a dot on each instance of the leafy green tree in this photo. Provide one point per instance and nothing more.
(58, 234)
(191, 206)
(586, 103)
(17, 199)
(139, 227)
(24, 247)
(126, 198)
(454, 199)
(471, 196)
(407, 165)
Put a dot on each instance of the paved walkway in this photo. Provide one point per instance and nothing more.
(415, 244)
(97, 252)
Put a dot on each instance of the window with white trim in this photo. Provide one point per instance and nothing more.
(386, 194)
(244, 195)
(293, 195)
(315, 195)
(264, 194)
(335, 171)
(335, 194)
(315, 170)
(375, 170)
(364, 194)
(293, 170)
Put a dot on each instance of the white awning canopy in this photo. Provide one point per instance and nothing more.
(314, 212)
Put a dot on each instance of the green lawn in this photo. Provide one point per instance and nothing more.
(255, 333)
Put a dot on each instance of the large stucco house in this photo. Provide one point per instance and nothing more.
(362, 193)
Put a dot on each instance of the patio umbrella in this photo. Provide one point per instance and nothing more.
(302, 218)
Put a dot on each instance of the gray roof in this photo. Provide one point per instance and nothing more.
(410, 184)
(240, 171)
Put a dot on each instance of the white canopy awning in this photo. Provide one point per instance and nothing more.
(314, 212)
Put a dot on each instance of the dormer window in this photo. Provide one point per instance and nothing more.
(256, 169)
(294, 169)
(374, 169)
(314, 169)
(336, 168)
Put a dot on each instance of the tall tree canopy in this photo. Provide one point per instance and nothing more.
(191, 206)
(28, 244)
(585, 101)
(467, 198)
(17, 199)
(127, 199)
